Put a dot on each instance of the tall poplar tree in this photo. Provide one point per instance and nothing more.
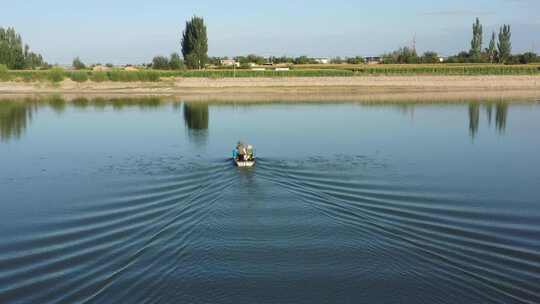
(14, 54)
(491, 50)
(476, 42)
(195, 43)
(504, 45)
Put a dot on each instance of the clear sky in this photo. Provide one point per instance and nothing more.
(133, 31)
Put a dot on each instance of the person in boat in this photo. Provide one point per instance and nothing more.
(239, 152)
(243, 152)
(249, 153)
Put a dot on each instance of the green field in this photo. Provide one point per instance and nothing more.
(342, 70)
(433, 69)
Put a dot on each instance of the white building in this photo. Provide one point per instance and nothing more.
(373, 60)
(322, 60)
(229, 63)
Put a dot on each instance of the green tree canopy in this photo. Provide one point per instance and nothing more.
(160, 63)
(355, 60)
(336, 60)
(14, 54)
(282, 59)
(504, 45)
(176, 63)
(476, 42)
(526, 58)
(78, 64)
(195, 43)
(304, 60)
(402, 55)
(430, 57)
(252, 58)
(491, 50)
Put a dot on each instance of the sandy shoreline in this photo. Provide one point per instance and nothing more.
(299, 88)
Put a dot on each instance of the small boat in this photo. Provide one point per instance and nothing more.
(244, 155)
(244, 163)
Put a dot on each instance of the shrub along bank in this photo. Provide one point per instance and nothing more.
(345, 70)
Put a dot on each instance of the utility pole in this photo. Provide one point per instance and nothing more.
(414, 42)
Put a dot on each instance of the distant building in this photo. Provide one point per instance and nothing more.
(229, 62)
(100, 68)
(373, 60)
(322, 60)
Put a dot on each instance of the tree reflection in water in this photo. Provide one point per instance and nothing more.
(15, 116)
(196, 119)
(474, 118)
(501, 116)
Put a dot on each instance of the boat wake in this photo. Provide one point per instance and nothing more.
(173, 230)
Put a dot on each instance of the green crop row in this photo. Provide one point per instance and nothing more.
(444, 69)
(58, 74)
(251, 73)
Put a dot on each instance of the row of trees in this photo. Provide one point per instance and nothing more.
(174, 62)
(260, 60)
(194, 46)
(78, 64)
(497, 51)
(16, 55)
(409, 55)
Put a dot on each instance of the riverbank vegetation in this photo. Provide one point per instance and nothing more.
(309, 70)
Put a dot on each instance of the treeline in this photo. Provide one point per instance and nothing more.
(194, 44)
(409, 55)
(174, 62)
(245, 61)
(499, 50)
(16, 55)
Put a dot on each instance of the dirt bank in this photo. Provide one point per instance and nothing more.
(299, 87)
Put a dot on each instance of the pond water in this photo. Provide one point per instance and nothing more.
(137, 201)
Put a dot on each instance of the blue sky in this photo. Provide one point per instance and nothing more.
(122, 31)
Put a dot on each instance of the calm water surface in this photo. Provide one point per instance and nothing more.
(136, 201)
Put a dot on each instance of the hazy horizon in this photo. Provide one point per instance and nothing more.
(135, 31)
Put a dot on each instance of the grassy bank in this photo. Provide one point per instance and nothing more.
(432, 69)
(156, 75)
(342, 70)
